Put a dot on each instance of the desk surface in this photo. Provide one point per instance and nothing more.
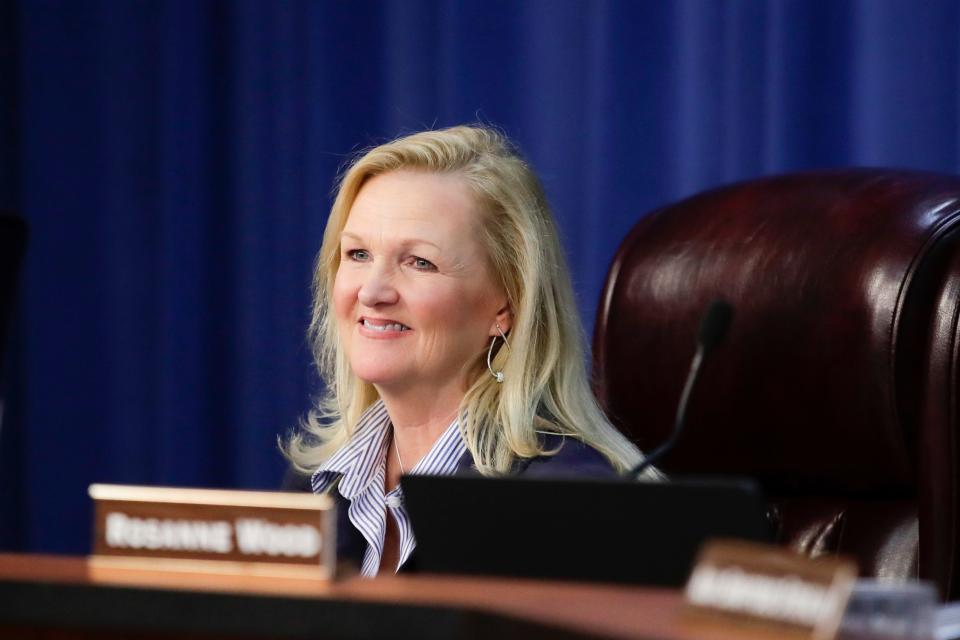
(556, 609)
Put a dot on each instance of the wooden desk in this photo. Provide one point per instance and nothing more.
(67, 597)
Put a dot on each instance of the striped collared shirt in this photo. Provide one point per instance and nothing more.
(360, 465)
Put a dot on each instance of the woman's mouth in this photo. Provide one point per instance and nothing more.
(383, 325)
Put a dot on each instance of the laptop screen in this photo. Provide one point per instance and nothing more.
(577, 529)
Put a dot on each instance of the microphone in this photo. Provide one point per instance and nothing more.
(713, 328)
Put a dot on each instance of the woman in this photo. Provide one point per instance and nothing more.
(445, 327)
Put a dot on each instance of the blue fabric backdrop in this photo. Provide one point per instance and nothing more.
(175, 161)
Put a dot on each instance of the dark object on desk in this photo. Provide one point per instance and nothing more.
(13, 240)
(837, 386)
(606, 531)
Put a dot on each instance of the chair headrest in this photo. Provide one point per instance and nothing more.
(833, 278)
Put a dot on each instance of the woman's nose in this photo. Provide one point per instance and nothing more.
(377, 288)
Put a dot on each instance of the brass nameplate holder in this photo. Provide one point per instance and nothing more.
(213, 530)
(740, 585)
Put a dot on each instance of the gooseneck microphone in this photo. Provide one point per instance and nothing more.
(713, 328)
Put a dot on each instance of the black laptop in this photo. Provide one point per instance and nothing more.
(596, 530)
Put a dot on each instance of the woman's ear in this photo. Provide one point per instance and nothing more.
(504, 319)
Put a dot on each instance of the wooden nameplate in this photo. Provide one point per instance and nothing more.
(214, 530)
(759, 588)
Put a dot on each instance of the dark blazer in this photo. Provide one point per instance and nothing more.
(574, 459)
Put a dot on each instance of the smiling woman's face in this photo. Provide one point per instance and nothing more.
(413, 296)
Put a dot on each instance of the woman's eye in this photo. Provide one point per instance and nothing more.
(358, 255)
(423, 264)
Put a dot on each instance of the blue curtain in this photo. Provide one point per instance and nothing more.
(175, 161)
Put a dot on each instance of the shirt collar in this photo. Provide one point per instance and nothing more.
(357, 462)
(444, 456)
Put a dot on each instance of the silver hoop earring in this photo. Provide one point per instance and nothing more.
(497, 375)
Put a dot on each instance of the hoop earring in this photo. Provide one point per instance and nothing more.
(497, 375)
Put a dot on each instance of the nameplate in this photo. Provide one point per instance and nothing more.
(736, 585)
(272, 533)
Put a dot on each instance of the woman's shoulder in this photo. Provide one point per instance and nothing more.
(569, 456)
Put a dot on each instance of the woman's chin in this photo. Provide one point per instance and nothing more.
(381, 376)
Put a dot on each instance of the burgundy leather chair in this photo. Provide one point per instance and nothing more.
(837, 385)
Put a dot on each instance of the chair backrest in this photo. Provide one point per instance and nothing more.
(837, 384)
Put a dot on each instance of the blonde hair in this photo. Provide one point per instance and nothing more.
(545, 386)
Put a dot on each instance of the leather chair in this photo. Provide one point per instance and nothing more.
(837, 385)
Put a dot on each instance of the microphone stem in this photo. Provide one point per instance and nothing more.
(681, 417)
